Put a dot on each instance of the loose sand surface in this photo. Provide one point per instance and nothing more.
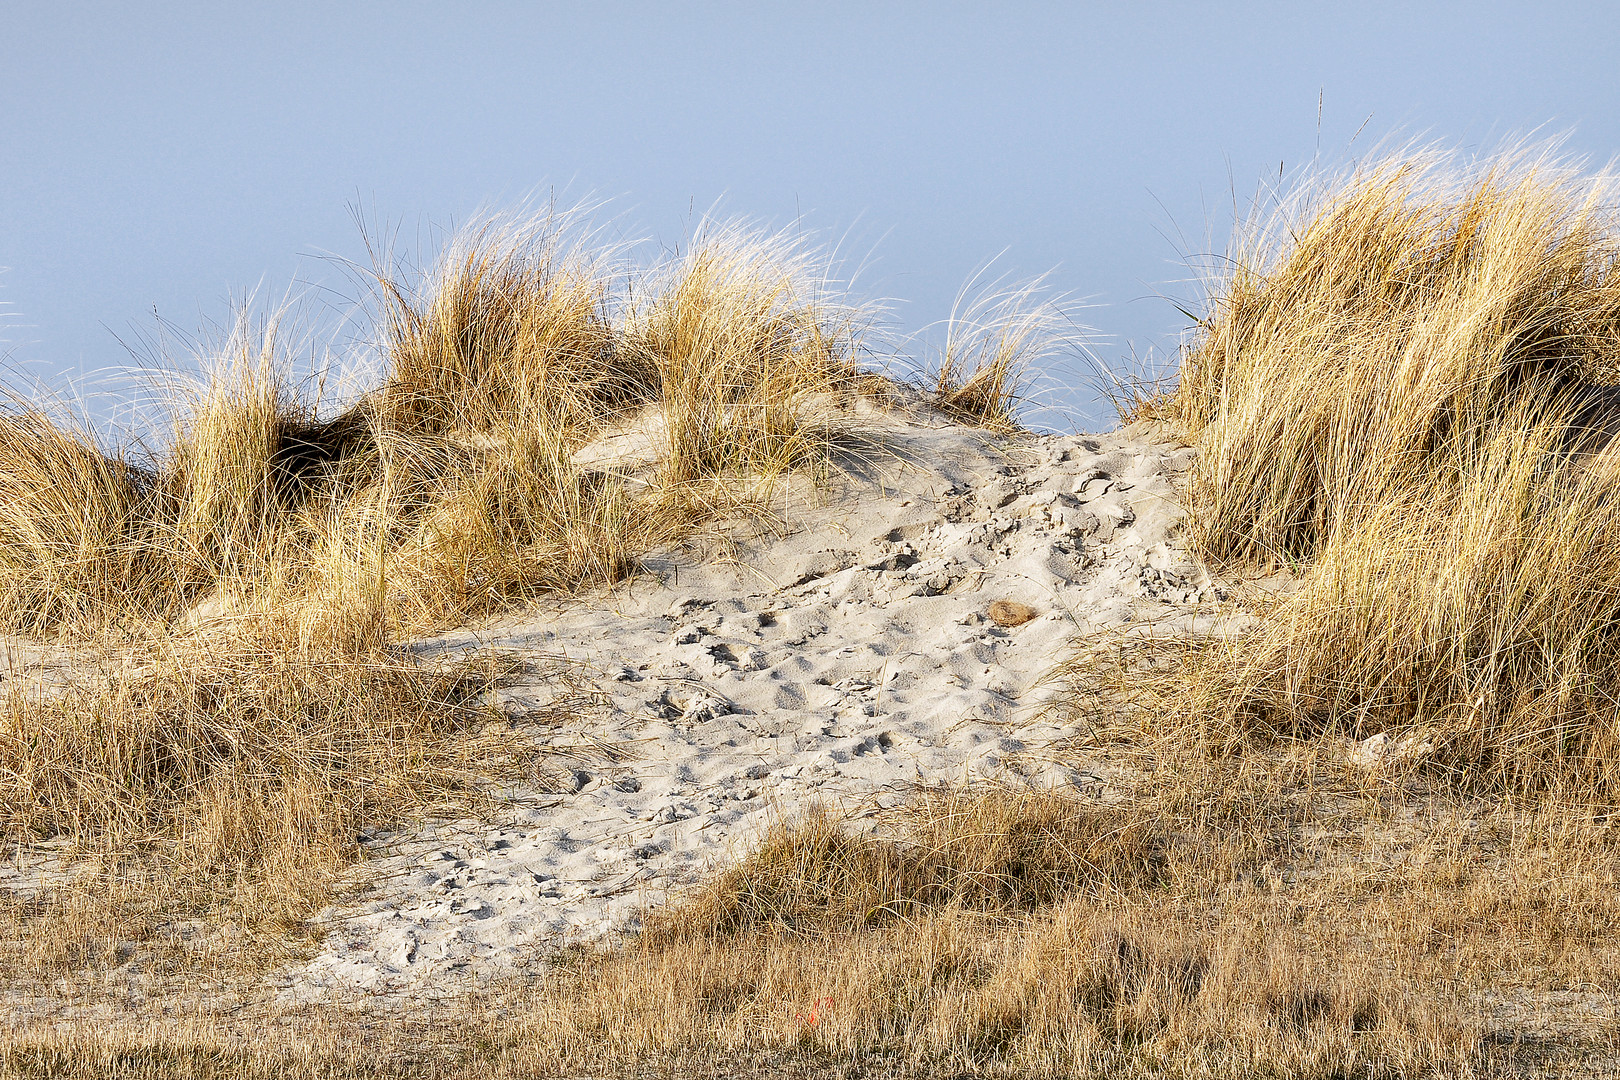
(842, 655)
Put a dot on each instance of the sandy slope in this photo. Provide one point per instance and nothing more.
(841, 662)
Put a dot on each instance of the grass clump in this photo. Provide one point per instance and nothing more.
(995, 850)
(514, 323)
(77, 526)
(1375, 339)
(1403, 392)
(746, 346)
(992, 348)
(240, 767)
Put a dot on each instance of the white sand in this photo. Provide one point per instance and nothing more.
(841, 662)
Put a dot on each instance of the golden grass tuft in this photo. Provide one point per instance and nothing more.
(77, 526)
(746, 343)
(513, 325)
(993, 344)
(1383, 330)
(1402, 394)
(226, 475)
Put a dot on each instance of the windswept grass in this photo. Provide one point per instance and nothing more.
(453, 481)
(1403, 392)
(1383, 330)
(747, 346)
(514, 323)
(993, 347)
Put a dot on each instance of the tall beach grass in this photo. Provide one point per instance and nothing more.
(1403, 392)
(453, 477)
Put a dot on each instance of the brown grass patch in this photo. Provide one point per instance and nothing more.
(992, 850)
(233, 772)
(1212, 917)
(1182, 929)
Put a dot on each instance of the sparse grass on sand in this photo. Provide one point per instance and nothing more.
(233, 717)
(992, 346)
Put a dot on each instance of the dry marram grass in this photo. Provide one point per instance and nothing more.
(453, 482)
(992, 346)
(234, 772)
(1402, 393)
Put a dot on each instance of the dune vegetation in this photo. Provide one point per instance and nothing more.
(220, 706)
(450, 489)
(1367, 835)
(1409, 400)
(1402, 397)
(231, 709)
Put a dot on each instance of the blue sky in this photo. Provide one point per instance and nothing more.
(165, 157)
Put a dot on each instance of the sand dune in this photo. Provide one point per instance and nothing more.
(841, 658)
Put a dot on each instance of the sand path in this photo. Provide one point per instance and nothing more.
(842, 662)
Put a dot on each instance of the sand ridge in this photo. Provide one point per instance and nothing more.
(841, 662)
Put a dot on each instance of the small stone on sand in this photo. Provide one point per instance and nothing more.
(1011, 613)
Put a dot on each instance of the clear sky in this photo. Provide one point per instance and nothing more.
(163, 157)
